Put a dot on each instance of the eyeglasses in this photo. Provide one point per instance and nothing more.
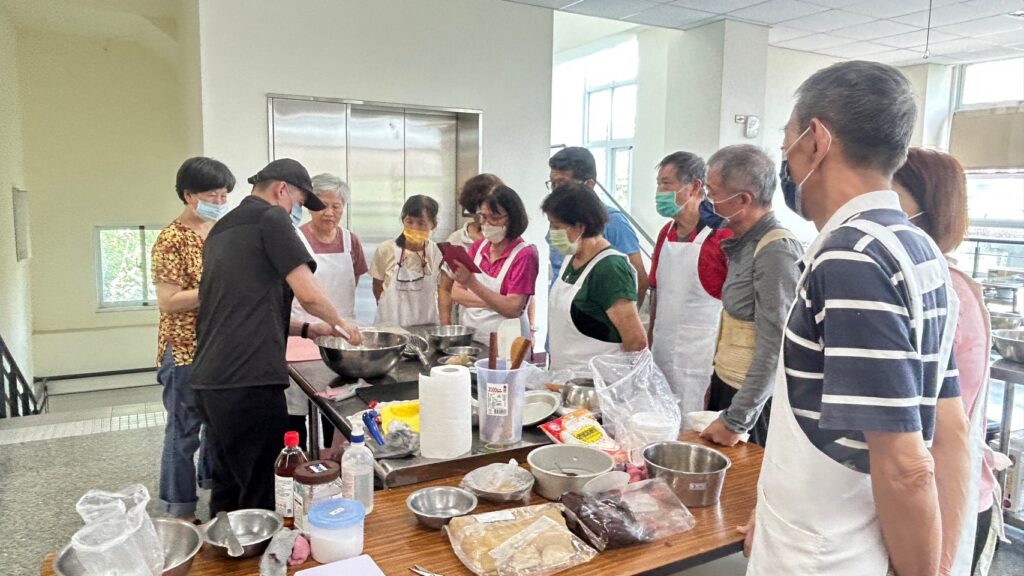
(493, 219)
(705, 194)
(550, 184)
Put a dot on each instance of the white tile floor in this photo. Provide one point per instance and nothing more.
(50, 431)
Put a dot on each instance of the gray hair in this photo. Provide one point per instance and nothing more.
(327, 183)
(868, 107)
(689, 166)
(746, 168)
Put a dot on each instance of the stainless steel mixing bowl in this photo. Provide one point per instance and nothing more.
(442, 337)
(1005, 320)
(254, 528)
(436, 506)
(1010, 344)
(694, 472)
(181, 541)
(376, 356)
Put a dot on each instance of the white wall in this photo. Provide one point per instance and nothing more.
(786, 70)
(103, 138)
(15, 312)
(933, 85)
(481, 54)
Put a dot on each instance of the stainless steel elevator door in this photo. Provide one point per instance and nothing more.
(386, 154)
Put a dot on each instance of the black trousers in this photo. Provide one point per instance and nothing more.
(244, 433)
(981, 536)
(720, 398)
(298, 424)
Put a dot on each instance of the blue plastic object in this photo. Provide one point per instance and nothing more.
(370, 423)
(336, 513)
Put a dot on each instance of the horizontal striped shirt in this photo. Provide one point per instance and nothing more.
(851, 356)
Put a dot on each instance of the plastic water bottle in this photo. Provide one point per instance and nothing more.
(357, 471)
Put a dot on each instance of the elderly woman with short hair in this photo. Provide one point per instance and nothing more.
(339, 264)
(758, 291)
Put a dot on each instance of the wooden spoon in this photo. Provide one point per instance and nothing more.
(520, 347)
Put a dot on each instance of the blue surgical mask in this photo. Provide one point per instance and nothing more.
(296, 214)
(709, 217)
(792, 192)
(211, 212)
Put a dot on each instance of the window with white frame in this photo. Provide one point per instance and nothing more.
(594, 105)
(122, 264)
(988, 84)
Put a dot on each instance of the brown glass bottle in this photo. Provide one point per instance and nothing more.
(284, 468)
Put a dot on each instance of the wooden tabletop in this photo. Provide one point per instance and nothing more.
(396, 542)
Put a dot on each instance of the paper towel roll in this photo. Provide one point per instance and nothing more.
(446, 426)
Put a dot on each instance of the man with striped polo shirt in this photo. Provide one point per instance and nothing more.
(867, 470)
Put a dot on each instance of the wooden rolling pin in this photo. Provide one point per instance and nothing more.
(492, 354)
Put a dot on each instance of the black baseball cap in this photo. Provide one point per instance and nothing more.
(290, 171)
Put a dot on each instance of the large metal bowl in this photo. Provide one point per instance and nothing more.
(694, 472)
(376, 356)
(1010, 344)
(254, 528)
(442, 337)
(436, 506)
(1005, 320)
(181, 541)
(561, 468)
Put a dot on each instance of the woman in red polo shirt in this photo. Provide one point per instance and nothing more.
(508, 267)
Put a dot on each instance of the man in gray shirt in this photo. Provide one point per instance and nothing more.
(757, 294)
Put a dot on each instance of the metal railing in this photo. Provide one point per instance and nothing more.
(984, 257)
(16, 396)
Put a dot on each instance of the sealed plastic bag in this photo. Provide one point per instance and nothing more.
(640, 512)
(637, 403)
(545, 547)
(474, 537)
(118, 536)
(499, 482)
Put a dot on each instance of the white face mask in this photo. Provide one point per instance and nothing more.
(494, 234)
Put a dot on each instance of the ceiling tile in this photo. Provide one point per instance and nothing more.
(987, 55)
(960, 45)
(916, 38)
(780, 34)
(872, 30)
(670, 16)
(716, 6)
(614, 9)
(855, 50)
(826, 21)
(890, 8)
(987, 26)
(775, 11)
(992, 7)
(894, 56)
(1013, 38)
(556, 4)
(943, 15)
(814, 42)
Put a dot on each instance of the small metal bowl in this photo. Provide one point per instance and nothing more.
(181, 541)
(446, 361)
(540, 405)
(436, 506)
(253, 527)
(472, 351)
(580, 393)
(444, 337)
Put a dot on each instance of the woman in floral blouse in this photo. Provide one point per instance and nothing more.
(177, 266)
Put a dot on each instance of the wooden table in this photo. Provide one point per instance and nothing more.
(396, 542)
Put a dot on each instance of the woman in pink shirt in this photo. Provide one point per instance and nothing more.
(508, 266)
(933, 191)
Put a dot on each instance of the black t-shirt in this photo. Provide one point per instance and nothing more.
(244, 300)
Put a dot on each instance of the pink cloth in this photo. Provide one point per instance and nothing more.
(971, 349)
(300, 551)
(521, 277)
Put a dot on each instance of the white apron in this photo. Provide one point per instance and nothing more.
(336, 277)
(410, 299)
(686, 327)
(570, 348)
(486, 320)
(828, 525)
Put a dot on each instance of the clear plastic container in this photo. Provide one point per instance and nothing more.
(501, 395)
(336, 529)
(357, 472)
(313, 481)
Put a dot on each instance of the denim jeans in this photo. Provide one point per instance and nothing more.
(182, 437)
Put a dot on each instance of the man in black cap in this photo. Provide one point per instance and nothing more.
(253, 262)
